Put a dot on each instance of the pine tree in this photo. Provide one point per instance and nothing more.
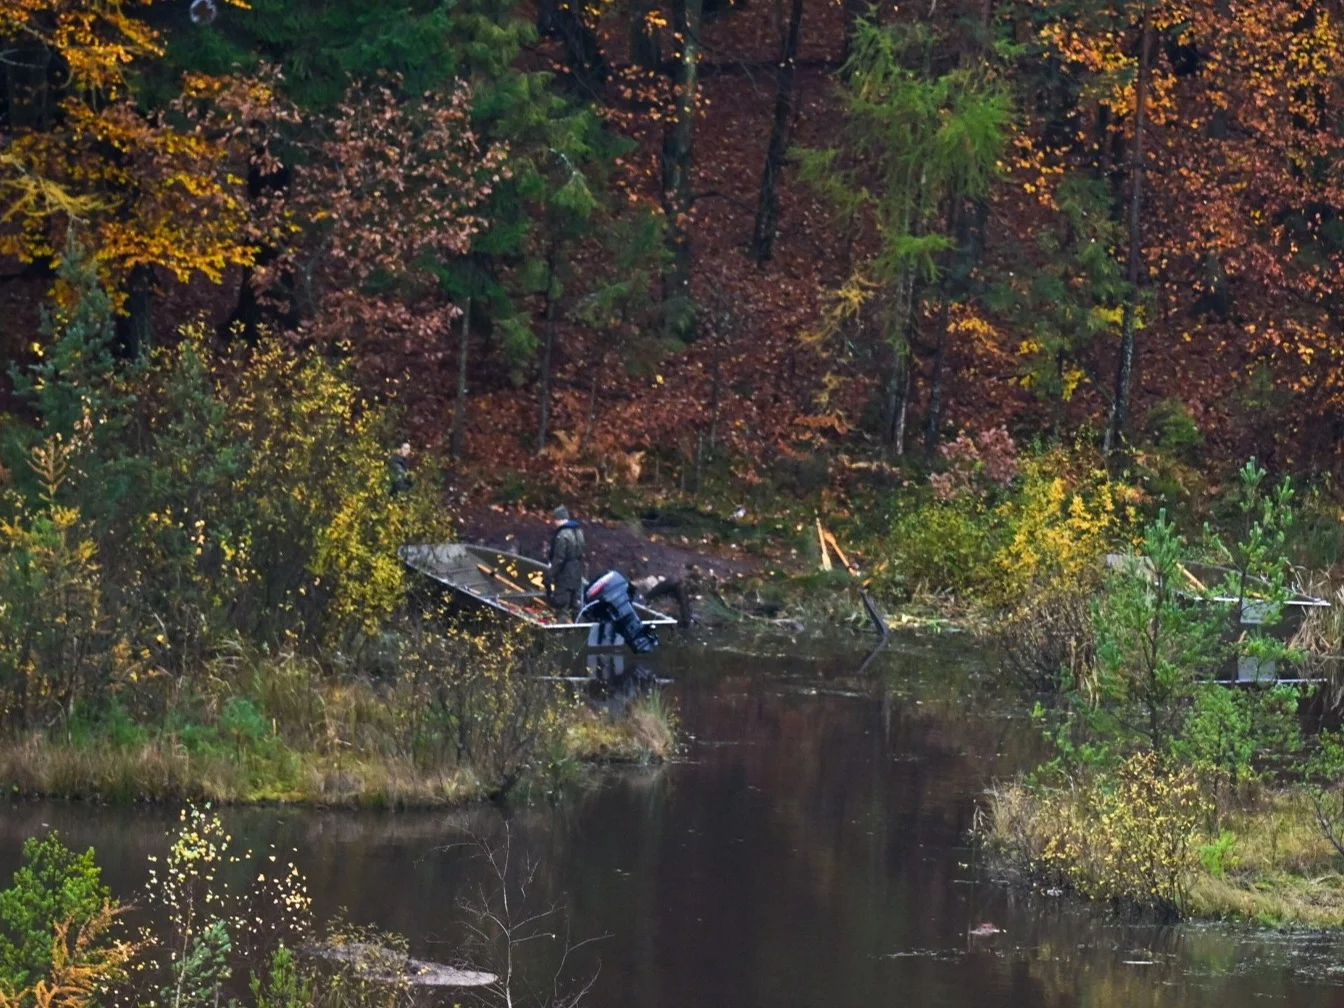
(916, 146)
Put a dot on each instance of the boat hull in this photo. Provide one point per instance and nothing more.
(512, 585)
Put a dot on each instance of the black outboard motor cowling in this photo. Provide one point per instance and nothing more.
(607, 600)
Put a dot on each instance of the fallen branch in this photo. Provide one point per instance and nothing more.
(743, 614)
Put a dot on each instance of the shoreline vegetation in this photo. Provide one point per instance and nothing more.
(300, 736)
(172, 769)
(201, 598)
(1163, 793)
(1269, 862)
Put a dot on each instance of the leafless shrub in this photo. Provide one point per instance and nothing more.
(1048, 642)
(504, 920)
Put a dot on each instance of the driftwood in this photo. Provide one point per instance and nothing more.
(383, 965)
(880, 624)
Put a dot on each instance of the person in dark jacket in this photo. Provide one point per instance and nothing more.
(564, 579)
(402, 480)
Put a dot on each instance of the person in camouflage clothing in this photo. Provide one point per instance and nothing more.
(564, 579)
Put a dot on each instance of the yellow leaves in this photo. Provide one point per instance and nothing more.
(151, 192)
(965, 320)
(96, 41)
(25, 193)
(831, 383)
(82, 966)
(1130, 835)
(1112, 317)
(844, 303)
(1070, 379)
(1063, 523)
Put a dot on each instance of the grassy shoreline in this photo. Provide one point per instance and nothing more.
(165, 769)
(456, 717)
(1273, 866)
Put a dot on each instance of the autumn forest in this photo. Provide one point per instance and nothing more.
(555, 233)
(1010, 323)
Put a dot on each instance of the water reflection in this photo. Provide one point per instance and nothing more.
(810, 849)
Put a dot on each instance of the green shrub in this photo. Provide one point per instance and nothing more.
(240, 721)
(108, 722)
(944, 546)
(285, 985)
(1217, 857)
(1172, 429)
(1130, 835)
(53, 886)
(162, 509)
(1225, 730)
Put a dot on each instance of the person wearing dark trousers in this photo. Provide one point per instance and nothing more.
(564, 577)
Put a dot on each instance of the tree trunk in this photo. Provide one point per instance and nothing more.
(245, 318)
(1128, 350)
(934, 420)
(678, 136)
(852, 11)
(460, 405)
(583, 53)
(135, 329)
(900, 400)
(767, 207)
(592, 404)
(645, 51)
(547, 345)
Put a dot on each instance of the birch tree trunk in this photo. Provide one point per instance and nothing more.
(1124, 370)
(460, 404)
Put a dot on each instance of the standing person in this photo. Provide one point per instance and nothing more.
(401, 468)
(564, 579)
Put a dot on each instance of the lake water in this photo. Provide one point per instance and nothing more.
(810, 849)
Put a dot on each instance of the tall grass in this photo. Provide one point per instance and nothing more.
(454, 718)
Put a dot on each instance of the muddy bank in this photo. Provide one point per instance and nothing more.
(631, 548)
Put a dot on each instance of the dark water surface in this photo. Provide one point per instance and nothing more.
(810, 850)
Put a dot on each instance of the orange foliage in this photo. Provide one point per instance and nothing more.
(145, 191)
(83, 966)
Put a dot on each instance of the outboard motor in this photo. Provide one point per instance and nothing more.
(607, 600)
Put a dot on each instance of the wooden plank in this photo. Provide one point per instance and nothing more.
(1199, 585)
(844, 560)
(500, 577)
(821, 541)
